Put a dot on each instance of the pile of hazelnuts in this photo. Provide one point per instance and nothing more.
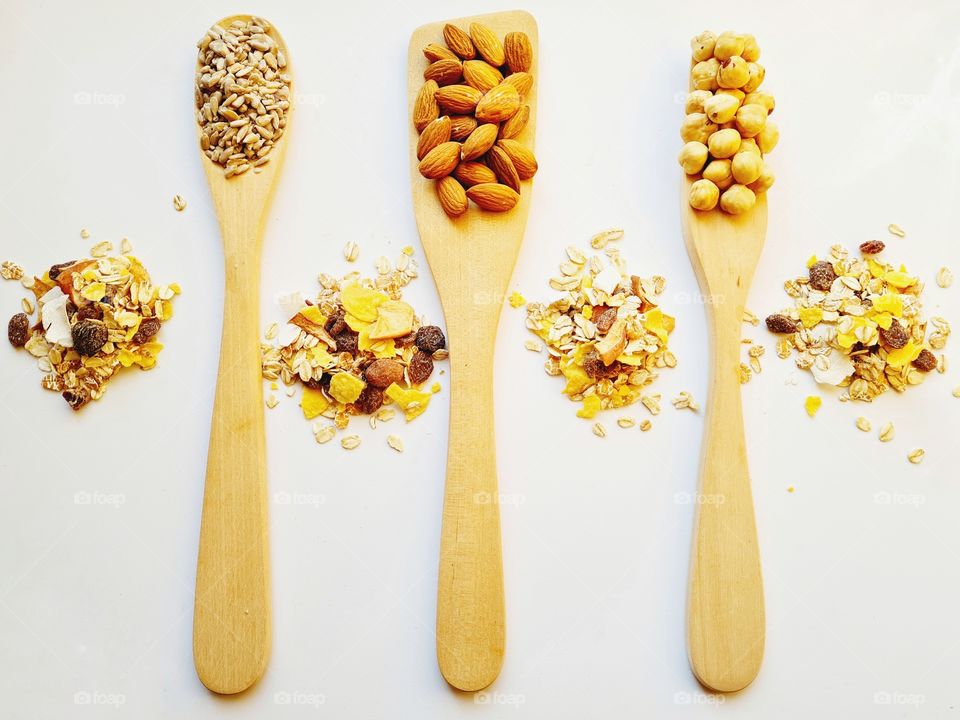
(726, 130)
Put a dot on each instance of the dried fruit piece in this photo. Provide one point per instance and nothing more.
(522, 158)
(822, 275)
(453, 198)
(487, 44)
(518, 52)
(812, 404)
(780, 324)
(872, 247)
(435, 133)
(440, 161)
(89, 336)
(430, 338)
(394, 319)
(498, 104)
(18, 330)
(382, 373)
(425, 107)
(413, 402)
(346, 387)
(347, 342)
(148, 328)
(370, 400)
(444, 72)
(594, 367)
(313, 402)
(925, 361)
(493, 196)
(420, 368)
(894, 337)
(459, 42)
(55, 270)
(613, 343)
(502, 165)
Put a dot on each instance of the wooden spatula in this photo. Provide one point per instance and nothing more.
(472, 259)
(231, 625)
(725, 615)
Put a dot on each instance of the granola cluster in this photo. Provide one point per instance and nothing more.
(93, 317)
(606, 335)
(355, 349)
(857, 323)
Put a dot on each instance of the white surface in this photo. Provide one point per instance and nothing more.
(97, 599)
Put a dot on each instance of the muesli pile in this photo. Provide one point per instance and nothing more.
(857, 323)
(606, 335)
(356, 349)
(93, 317)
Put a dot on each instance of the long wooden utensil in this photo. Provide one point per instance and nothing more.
(231, 624)
(725, 613)
(472, 259)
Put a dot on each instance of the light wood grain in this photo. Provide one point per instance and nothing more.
(725, 613)
(231, 627)
(472, 259)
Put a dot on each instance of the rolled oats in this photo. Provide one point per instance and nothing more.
(894, 229)
(9, 270)
(645, 424)
(944, 277)
(626, 421)
(395, 442)
(916, 456)
(863, 424)
(886, 432)
(599, 430)
(685, 401)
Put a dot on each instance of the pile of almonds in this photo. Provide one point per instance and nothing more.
(726, 130)
(479, 85)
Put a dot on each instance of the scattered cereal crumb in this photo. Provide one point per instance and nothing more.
(272, 330)
(812, 404)
(651, 403)
(599, 430)
(533, 346)
(407, 250)
(685, 400)
(350, 442)
(887, 432)
(274, 386)
(600, 240)
(395, 442)
(956, 391)
(645, 425)
(272, 401)
(744, 372)
(84, 234)
(435, 388)
(895, 229)
(325, 434)
(126, 246)
(916, 456)
(179, 203)
(626, 421)
(790, 489)
(863, 424)
(9, 270)
(26, 305)
(101, 249)
(351, 251)
(749, 317)
(516, 299)
(944, 277)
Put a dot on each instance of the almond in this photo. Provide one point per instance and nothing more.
(458, 98)
(445, 72)
(493, 196)
(515, 125)
(518, 52)
(383, 372)
(522, 81)
(481, 75)
(499, 104)
(434, 134)
(425, 108)
(452, 197)
(487, 44)
(434, 52)
(441, 160)
(522, 158)
(458, 41)
(502, 165)
(474, 173)
(480, 140)
(461, 126)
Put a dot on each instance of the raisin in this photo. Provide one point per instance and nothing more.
(420, 368)
(780, 324)
(55, 270)
(406, 340)
(314, 384)
(822, 275)
(383, 372)
(91, 311)
(89, 336)
(18, 330)
(594, 367)
(336, 323)
(370, 400)
(926, 361)
(896, 337)
(75, 399)
(605, 319)
(430, 339)
(872, 247)
(346, 342)
(148, 328)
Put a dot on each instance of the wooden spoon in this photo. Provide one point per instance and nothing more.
(472, 259)
(725, 615)
(231, 624)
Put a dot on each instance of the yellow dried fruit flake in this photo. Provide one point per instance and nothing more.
(362, 302)
(810, 316)
(899, 279)
(394, 318)
(412, 401)
(313, 402)
(907, 354)
(591, 406)
(812, 404)
(345, 387)
(516, 299)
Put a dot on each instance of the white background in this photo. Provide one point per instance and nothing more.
(861, 594)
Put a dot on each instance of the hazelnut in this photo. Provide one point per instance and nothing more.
(755, 75)
(703, 75)
(696, 127)
(728, 44)
(751, 120)
(702, 45)
(733, 73)
(693, 156)
(696, 100)
(704, 195)
(746, 167)
(737, 199)
(719, 173)
(721, 108)
(768, 137)
(724, 143)
(751, 50)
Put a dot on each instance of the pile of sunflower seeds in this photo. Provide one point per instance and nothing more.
(242, 94)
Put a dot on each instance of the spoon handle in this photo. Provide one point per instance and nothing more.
(725, 618)
(470, 606)
(231, 632)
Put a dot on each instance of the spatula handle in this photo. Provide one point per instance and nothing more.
(231, 632)
(726, 612)
(470, 606)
